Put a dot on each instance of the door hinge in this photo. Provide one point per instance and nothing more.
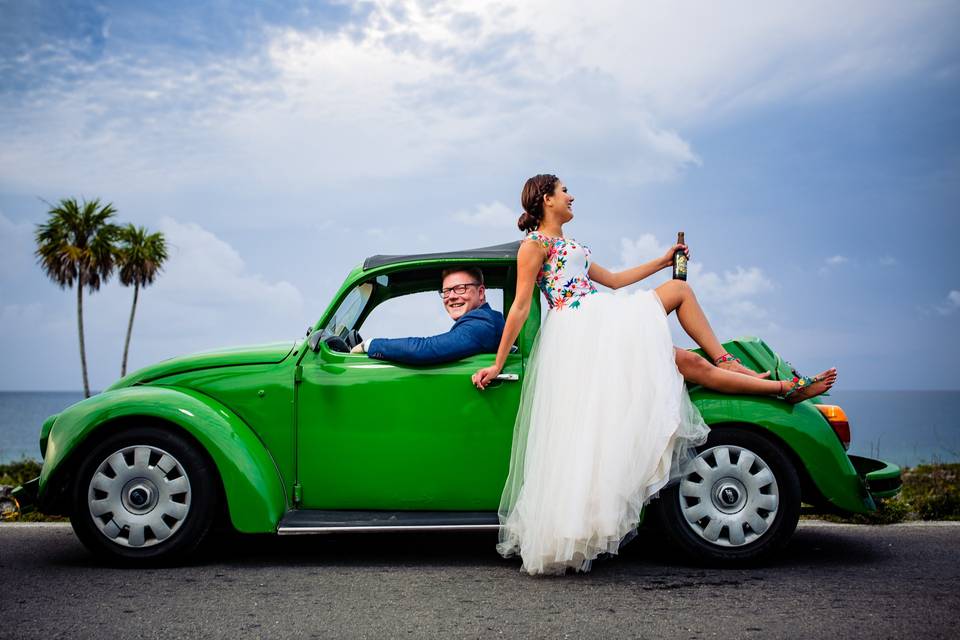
(297, 493)
(298, 374)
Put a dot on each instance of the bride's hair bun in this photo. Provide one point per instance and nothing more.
(531, 198)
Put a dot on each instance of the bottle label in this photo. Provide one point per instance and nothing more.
(681, 265)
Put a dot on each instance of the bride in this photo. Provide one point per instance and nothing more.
(604, 418)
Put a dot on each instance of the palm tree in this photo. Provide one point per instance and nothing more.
(76, 245)
(140, 258)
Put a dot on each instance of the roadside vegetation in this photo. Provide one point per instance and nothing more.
(14, 474)
(930, 492)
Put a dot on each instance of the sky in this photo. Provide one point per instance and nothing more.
(810, 152)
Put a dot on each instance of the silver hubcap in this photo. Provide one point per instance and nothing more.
(139, 496)
(728, 496)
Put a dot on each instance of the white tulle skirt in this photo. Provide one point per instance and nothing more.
(604, 423)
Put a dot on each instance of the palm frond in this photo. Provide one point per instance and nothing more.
(75, 244)
(140, 255)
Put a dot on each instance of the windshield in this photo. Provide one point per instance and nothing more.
(345, 317)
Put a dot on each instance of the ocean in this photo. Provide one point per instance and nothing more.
(904, 427)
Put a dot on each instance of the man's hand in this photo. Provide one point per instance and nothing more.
(358, 349)
(485, 376)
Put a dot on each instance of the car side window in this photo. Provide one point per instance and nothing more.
(416, 314)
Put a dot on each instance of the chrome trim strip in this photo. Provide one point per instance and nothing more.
(293, 531)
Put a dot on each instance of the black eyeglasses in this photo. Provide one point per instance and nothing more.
(458, 289)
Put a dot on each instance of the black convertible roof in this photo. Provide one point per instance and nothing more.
(505, 251)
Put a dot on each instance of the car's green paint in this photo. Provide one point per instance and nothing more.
(801, 427)
(256, 354)
(882, 478)
(289, 427)
(378, 435)
(254, 492)
(262, 397)
(804, 430)
(45, 434)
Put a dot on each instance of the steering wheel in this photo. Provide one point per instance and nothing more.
(336, 343)
(353, 338)
(343, 345)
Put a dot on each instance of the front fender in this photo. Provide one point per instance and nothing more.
(255, 495)
(804, 431)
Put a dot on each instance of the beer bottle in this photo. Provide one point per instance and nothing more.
(679, 261)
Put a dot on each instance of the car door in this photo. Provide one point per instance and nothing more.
(380, 435)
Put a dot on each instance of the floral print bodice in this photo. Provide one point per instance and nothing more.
(563, 276)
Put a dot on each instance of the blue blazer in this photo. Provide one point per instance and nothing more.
(477, 331)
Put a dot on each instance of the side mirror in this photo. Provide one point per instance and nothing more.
(314, 341)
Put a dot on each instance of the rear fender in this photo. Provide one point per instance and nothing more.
(254, 490)
(806, 437)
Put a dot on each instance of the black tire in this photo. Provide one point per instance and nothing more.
(692, 538)
(177, 535)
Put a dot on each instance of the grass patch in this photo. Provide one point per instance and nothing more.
(16, 473)
(930, 492)
(13, 474)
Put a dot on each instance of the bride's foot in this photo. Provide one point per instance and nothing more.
(730, 363)
(802, 388)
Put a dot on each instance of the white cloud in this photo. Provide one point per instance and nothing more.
(733, 285)
(419, 87)
(204, 270)
(16, 248)
(951, 304)
(830, 263)
(643, 249)
(729, 297)
(495, 215)
(888, 261)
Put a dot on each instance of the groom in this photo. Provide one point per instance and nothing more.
(476, 329)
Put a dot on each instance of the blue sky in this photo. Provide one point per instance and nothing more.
(810, 153)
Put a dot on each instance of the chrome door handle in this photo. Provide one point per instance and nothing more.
(509, 377)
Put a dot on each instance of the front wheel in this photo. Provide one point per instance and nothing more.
(144, 495)
(738, 501)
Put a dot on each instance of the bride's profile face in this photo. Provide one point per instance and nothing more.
(559, 204)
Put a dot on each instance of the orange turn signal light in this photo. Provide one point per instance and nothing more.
(838, 421)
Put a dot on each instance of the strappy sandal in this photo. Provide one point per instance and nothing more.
(799, 383)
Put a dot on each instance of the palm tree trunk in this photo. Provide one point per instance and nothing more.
(83, 352)
(126, 345)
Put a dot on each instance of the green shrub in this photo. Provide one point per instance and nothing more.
(16, 473)
(930, 492)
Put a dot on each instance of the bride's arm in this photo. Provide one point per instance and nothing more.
(617, 279)
(529, 260)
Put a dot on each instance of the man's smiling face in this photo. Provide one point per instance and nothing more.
(458, 304)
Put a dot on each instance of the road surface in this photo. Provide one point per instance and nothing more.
(833, 581)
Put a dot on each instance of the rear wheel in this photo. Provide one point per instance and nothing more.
(144, 495)
(738, 501)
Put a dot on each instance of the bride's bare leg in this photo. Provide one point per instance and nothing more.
(678, 296)
(695, 369)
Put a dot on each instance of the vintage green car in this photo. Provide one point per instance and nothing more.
(304, 438)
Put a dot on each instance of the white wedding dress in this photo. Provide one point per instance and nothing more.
(604, 420)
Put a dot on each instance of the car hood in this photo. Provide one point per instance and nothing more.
(257, 354)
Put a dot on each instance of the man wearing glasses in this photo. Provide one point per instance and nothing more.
(476, 328)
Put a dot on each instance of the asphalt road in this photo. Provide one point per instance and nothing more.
(834, 581)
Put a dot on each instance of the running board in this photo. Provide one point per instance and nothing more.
(307, 521)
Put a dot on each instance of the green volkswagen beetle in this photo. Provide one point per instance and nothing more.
(304, 437)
